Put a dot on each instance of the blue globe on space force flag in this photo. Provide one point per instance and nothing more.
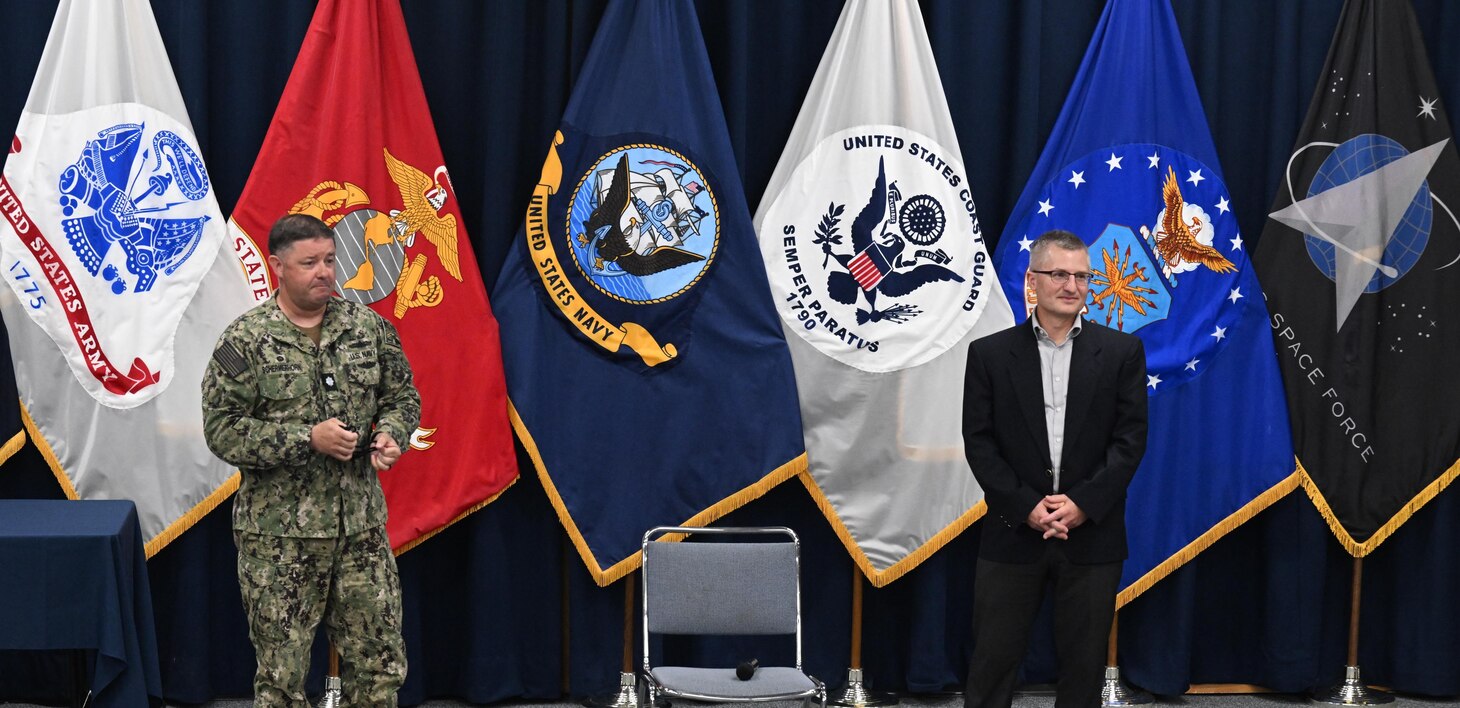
(1355, 158)
(1165, 252)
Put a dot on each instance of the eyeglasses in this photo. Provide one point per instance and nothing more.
(1060, 277)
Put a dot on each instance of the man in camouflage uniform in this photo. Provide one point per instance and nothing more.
(310, 396)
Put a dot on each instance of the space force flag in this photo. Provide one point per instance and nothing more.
(119, 279)
(358, 149)
(647, 371)
(879, 271)
(1131, 168)
(1361, 263)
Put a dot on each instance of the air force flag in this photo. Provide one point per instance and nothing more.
(1131, 168)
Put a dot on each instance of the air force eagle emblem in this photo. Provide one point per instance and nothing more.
(1191, 241)
(905, 280)
(1181, 239)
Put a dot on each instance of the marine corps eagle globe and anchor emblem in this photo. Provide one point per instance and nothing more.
(641, 228)
(371, 256)
(371, 244)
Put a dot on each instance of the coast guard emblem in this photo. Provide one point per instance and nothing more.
(874, 251)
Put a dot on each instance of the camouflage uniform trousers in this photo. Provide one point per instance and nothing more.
(351, 582)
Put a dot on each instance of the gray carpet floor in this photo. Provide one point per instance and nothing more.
(1026, 699)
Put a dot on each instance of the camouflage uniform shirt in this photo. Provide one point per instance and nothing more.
(268, 384)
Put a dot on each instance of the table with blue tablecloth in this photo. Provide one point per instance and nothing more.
(75, 577)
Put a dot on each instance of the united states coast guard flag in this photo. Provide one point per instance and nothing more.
(371, 168)
(647, 371)
(879, 271)
(1131, 168)
(119, 283)
(1361, 262)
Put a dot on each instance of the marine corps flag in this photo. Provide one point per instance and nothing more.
(1131, 168)
(879, 271)
(1361, 263)
(118, 278)
(357, 148)
(649, 379)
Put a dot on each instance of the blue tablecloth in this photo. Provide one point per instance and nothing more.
(73, 575)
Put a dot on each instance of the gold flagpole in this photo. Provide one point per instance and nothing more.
(333, 696)
(1352, 691)
(855, 693)
(628, 688)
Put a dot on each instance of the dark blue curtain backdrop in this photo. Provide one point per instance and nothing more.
(498, 607)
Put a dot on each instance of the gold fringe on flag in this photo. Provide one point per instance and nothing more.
(1359, 549)
(164, 537)
(1205, 541)
(605, 577)
(463, 515)
(880, 578)
(50, 455)
(193, 515)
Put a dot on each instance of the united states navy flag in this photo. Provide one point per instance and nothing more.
(1360, 262)
(1131, 168)
(646, 369)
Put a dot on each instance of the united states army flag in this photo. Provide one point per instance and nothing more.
(119, 275)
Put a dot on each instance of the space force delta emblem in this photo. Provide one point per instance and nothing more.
(640, 228)
(874, 251)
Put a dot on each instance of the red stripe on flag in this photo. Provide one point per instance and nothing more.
(865, 271)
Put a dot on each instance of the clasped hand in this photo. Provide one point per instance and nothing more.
(332, 438)
(1055, 516)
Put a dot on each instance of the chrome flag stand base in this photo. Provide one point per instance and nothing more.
(332, 694)
(1352, 692)
(1114, 692)
(855, 694)
(627, 696)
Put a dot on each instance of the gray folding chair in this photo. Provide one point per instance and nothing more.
(734, 588)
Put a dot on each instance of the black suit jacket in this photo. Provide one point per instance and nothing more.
(1008, 447)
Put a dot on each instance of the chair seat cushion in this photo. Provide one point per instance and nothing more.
(767, 681)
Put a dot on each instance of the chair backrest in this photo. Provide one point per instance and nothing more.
(750, 587)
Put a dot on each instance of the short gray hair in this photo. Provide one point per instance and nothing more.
(1055, 238)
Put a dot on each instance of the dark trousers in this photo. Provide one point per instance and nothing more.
(1006, 598)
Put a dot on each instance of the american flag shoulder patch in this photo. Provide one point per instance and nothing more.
(230, 359)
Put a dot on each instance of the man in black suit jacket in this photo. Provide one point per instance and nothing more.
(1054, 424)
